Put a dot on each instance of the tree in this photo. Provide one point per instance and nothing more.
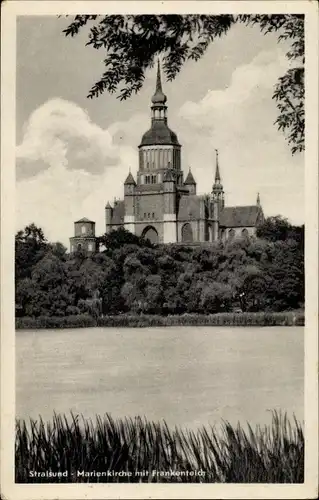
(120, 237)
(132, 43)
(30, 247)
(278, 228)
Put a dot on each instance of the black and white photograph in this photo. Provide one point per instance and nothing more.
(159, 249)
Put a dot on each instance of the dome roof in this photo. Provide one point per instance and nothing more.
(159, 133)
(159, 98)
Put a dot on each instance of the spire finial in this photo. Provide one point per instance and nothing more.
(217, 174)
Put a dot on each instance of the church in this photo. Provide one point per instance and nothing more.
(161, 205)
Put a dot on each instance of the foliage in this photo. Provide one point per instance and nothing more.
(279, 229)
(289, 91)
(134, 277)
(131, 44)
(118, 238)
(129, 320)
(272, 454)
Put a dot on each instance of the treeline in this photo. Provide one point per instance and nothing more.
(132, 276)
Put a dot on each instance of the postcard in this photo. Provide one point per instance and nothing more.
(159, 250)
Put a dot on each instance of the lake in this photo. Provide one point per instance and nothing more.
(187, 375)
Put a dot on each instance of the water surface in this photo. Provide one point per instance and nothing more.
(187, 375)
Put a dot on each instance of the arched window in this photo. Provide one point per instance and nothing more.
(83, 229)
(150, 234)
(187, 233)
(231, 234)
(79, 247)
(245, 233)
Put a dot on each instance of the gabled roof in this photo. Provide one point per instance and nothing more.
(130, 179)
(189, 179)
(190, 207)
(118, 213)
(239, 216)
(85, 220)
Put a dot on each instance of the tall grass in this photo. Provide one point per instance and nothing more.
(288, 318)
(269, 454)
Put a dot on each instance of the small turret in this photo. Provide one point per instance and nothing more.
(130, 180)
(169, 181)
(129, 184)
(190, 183)
(108, 217)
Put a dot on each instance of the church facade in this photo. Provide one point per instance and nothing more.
(161, 205)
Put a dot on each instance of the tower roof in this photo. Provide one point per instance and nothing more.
(190, 179)
(130, 179)
(159, 98)
(108, 205)
(217, 173)
(84, 219)
(217, 186)
(159, 133)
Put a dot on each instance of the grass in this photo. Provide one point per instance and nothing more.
(269, 454)
(288, 318)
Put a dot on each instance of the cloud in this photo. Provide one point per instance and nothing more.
(239, 121)
(61, 133)
(248, 83)
(68, 167)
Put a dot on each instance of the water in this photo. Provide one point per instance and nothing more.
(187, 375)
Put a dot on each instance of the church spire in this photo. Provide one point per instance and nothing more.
(158, 78)
(218, 190)
(258, 200)
(217, 173)
(159, 98)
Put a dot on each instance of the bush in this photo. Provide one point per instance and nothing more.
(144, 320)
(273, 454)
(77, 321)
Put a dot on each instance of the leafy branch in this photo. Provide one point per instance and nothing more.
(133, 42)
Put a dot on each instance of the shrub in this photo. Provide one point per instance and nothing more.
(77, 321)
(148, 320)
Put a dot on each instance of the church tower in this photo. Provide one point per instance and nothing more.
(218, 190)
(159, 168)
(159, 149)
(217, 200)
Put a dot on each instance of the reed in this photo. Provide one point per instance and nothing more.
(288, 318)
(133, 446)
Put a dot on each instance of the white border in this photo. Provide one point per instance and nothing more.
(12, 491)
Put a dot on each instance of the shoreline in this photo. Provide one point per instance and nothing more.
(287, 318)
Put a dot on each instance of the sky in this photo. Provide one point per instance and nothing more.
(74, 153)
